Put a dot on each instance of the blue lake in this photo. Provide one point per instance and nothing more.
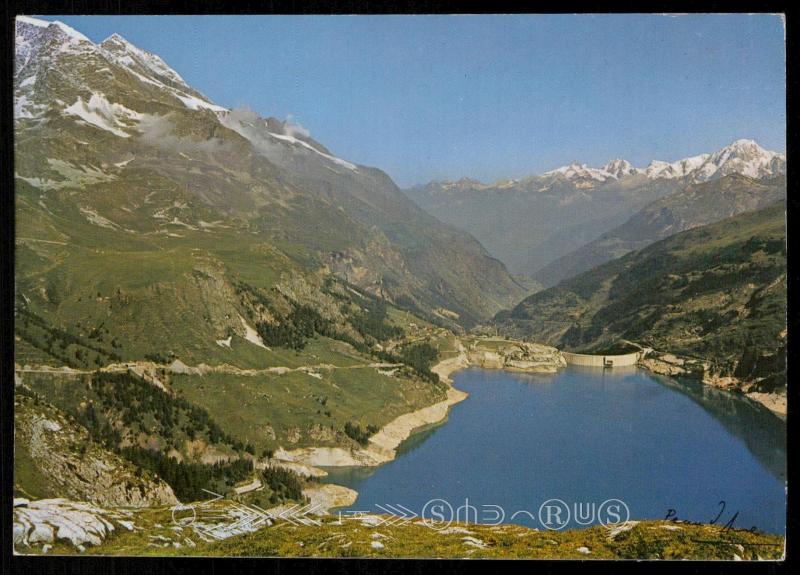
(585, 436)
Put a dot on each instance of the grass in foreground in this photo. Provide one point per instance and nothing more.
(156, 534)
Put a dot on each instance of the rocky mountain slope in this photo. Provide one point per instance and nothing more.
(55, 456)
(109, 135)
(711, 301)
(695, 205)
(531, 222)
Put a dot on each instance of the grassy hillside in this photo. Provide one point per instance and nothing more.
(198, 286)
(271, 348)
(716, 293)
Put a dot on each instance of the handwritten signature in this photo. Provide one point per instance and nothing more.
(672, 515)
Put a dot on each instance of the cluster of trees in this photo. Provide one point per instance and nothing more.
(135, 405)
(372, 322)
(73, 350)
(284, 483)
(126, 404)
(355, 432)
(420, 357)
(294, 330)
(189, 479)
(304, 322)
(156, 357)
(141, 406)
(766, 365)
(99, 427)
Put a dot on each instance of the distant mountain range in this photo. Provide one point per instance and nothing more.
(530, 222)
(744, 157)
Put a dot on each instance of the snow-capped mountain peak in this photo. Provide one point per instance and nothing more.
(55, 25)
(33, 34)
(748, 158)
(613, 170)
(576, 170)
(128, 54)
(742, 156)
(679, 169)
(620, 168)
(52, 55)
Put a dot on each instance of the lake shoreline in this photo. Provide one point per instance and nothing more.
(382, 446)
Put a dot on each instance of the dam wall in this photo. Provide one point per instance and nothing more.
(588, 360)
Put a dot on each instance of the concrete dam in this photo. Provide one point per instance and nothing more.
(589, 360)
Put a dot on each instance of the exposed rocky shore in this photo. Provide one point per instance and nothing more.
(673, 365)
(495, 353)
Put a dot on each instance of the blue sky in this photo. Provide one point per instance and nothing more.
(486, 96)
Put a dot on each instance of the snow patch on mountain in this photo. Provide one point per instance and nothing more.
(102, 114)
(128, 53)
(195, 103)
(679, 169)
(94, 218)
(151, 69)
(271, 143)
(23, 108)
(296, 141)
(620, 168)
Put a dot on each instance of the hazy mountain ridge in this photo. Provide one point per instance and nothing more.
(696, 205)
(523, 221)
(520, 221)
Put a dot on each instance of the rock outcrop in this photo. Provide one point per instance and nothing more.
(65, 462)
(514, 355)
(48, 521)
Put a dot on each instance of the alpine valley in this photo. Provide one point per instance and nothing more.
(213, 310)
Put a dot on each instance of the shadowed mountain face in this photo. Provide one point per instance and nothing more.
(695, 205)
(716, 292)
(535, 221)
(529, 223)
(110, 135)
